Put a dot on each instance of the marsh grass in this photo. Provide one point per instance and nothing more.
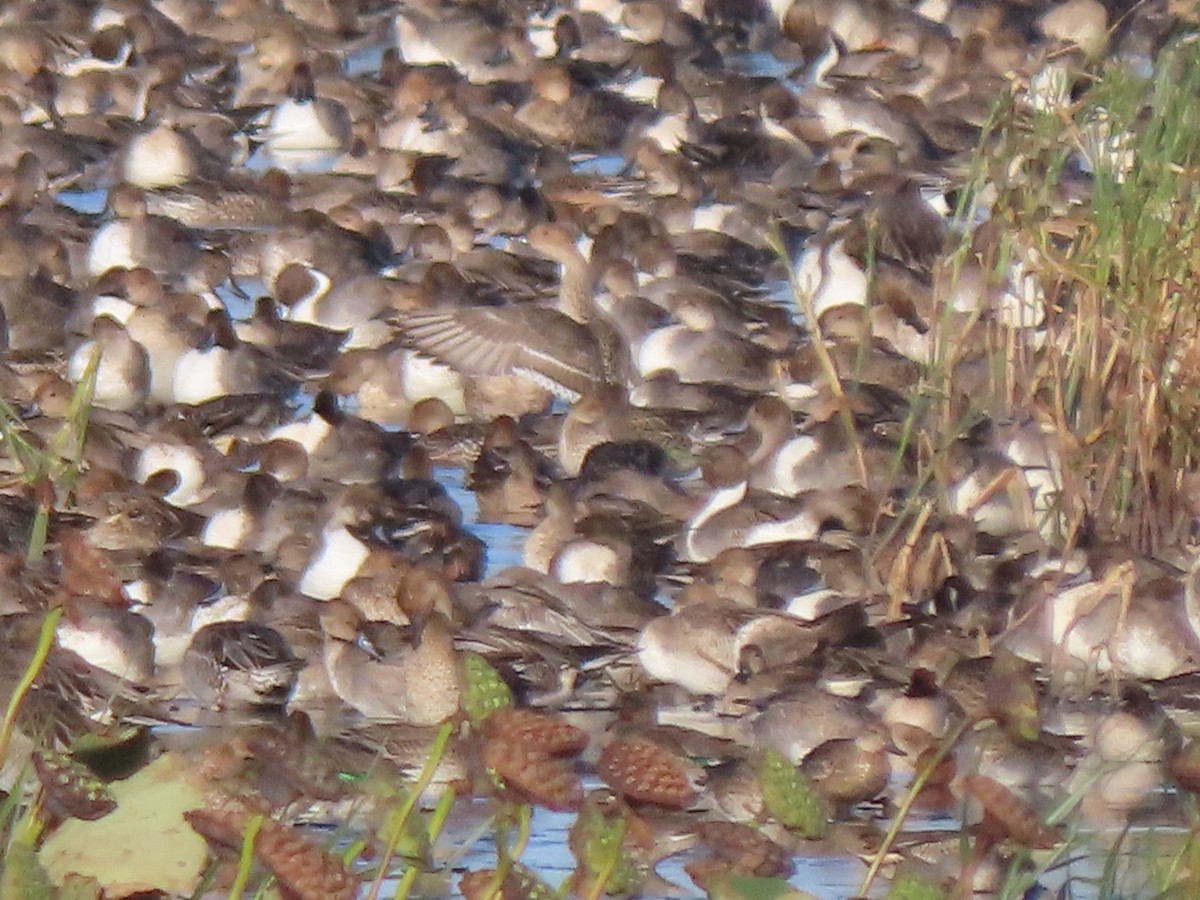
(1115, 380)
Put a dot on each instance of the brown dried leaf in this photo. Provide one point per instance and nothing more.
(642, 771)
(532, 775)
(220, 827)
(69, 790)
(1018, 820)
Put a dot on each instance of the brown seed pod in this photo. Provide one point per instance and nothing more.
(643, 772)
(69, 790)
(532, 775)
(548, 734)
(303, 870)
(745, 849)
(1009, 815)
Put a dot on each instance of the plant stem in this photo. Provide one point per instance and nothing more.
(40, 652)
(610, 864)
(947, 744)
(398, 822)
(246, 861)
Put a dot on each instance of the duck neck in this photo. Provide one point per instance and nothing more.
(718, 501)
(575, 289)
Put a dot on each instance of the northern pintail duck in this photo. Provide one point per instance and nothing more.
(165, 157)
(304, 122)
(566, 350)
(135, 238)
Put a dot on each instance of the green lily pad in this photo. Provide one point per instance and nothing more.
(790, 797)
(144, 844)
(484, 691)
(753, 887)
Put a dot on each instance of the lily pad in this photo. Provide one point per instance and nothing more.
(752, 887)
(144, 844)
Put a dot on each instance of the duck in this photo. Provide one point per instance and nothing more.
(1131, 623)
(734, 516)
(122, 366)
(304, 122)
(108, 637)
(696, 349)
(408, 675)
(136, 238)
(164, 156)
(507, 476)
(799, 723)
(564, 351)
(236, 664)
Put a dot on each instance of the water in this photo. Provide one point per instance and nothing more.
(88, 203)
(505, 543)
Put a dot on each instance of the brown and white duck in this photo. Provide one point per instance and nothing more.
(565, 351)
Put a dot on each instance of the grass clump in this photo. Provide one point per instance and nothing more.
(1096, 201)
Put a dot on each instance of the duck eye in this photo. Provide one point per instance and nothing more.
(364, 643)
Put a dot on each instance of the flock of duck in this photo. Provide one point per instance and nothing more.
(658, 277)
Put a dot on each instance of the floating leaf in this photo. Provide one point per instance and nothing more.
(790, 797)
(23, 875)
(598, 841)
(734, 886)
(69, 790)
(144, 844)
(484, 691)
(910, 885)
(76, 887)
